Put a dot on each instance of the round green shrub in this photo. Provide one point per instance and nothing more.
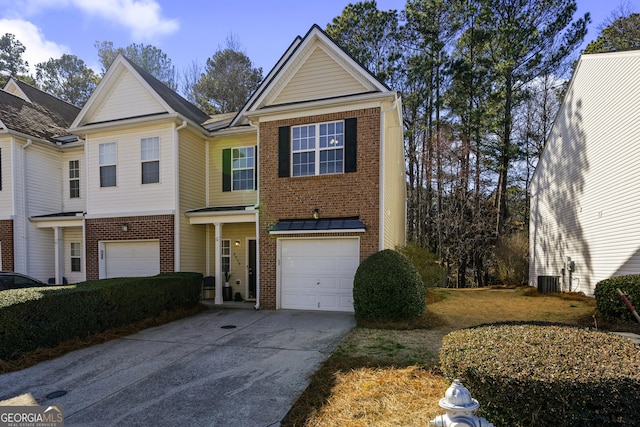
(546, 375)
(608, 301)
(388, 287)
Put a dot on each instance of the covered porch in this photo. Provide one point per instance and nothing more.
(68, 234)
(231, 252)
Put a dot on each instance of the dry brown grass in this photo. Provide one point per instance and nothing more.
(387, 374)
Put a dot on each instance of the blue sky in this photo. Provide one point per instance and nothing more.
(189, 30)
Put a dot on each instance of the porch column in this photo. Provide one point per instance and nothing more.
(218, 265)
(58, 248)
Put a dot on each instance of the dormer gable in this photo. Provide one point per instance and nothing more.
(14, 89)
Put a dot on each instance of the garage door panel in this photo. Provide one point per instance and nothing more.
(132, 259)
(317, 274)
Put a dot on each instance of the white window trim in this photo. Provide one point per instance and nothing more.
(253, 168)
(317, 149)
(72, 257)
(74, 179)
(149, 160)
(115, 163)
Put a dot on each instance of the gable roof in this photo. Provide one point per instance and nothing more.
(33, 112)
(315, 44)
(166, 99)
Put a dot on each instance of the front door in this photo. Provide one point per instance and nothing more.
(251, 282)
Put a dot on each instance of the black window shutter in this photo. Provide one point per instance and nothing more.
(226, 169)
(255, 167)
(351, 145)
(284, 151)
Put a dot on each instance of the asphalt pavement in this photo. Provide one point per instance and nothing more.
(221, 367)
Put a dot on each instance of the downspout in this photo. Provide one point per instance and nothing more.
(381, 194)
(24, 206)
(176, 217)
(257, 211)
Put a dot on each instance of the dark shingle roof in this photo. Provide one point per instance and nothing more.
(175, 101)
(44, 117)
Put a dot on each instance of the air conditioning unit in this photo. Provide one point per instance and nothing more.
(548, 284)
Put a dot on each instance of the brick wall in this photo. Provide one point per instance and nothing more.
(139, 228)
(6, 237)
(340, 195)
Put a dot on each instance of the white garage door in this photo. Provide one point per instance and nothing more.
(132, 259)
(317, 274)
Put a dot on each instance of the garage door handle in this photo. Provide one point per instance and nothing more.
(318, 282)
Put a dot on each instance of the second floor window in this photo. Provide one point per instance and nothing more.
(150, 157)
(107, 158)
(242, 166)
(318, 149)
(74, 179)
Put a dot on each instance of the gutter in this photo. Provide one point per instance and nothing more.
(176, 216)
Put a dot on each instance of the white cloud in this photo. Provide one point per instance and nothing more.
(142, 18)
(37, 48)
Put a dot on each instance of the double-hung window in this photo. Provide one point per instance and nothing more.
(108, 159)
(242, 168)
(225, 255)
(74, 179)
(318, 149)
(76, 257)
(150, 157)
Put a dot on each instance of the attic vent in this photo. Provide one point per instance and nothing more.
(548, 284)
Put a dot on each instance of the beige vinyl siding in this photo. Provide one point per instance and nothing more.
(585, 187)
(130, 196)
(394, 215)
(319, 77)
(75, 204)
(228, 198)
(73, 235)
(233, 232)
(7, 208)
(192, 196)
(126, 98)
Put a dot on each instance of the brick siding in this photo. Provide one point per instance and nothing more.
(139, 228)
(6, 237)
(339, 195)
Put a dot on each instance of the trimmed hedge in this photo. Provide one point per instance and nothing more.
(388, 287)
(546, 375)
(44, 317)
(609, 302)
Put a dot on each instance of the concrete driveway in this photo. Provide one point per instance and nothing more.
(221, 367)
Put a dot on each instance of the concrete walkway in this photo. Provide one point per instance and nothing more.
(221, 367)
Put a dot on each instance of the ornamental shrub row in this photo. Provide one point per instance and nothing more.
(608, 301)
(546, 375)
(44, 317)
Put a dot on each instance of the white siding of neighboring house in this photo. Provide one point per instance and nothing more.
(7, 208)
(319, 77)
(44, 197)
(192, 196)
(130, 196)
(126, 98)
(75, 204)
(585, 204)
